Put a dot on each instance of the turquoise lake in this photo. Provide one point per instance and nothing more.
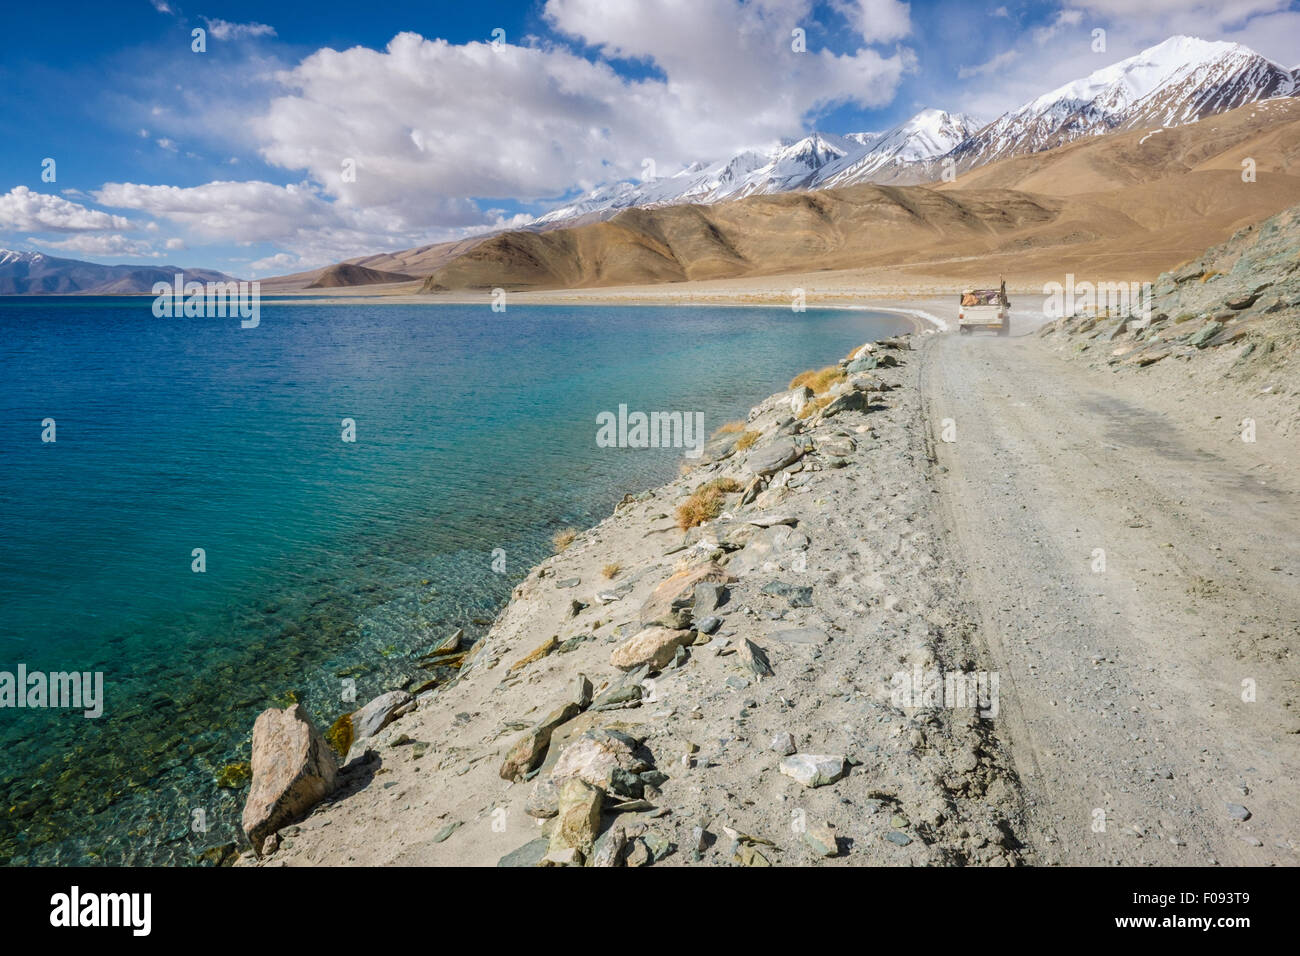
(475, 431)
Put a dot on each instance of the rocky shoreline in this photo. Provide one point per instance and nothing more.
(745, 666)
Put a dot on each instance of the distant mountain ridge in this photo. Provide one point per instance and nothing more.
(807, 163)
(35, 273)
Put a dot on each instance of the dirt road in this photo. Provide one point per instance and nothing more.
(1135, 579)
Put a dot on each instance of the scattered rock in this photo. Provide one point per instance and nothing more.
(709, 596)
(754, 658)
(654, 646)
(797, 595)
(821, 837)
(1202, 338)
(813, 770)
(578, 818)
(769, 460)
(783, 744)
(293, 770)
(799, 397)
(378, 714)
(529, 749)
(671, 603)
(1237, 811)
(530, 854)
(545, 648)
(608, 849)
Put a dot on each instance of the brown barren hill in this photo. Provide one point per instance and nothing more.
(761, 235)
(1136, 202)
(346, 274)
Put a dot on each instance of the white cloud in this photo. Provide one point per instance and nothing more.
(230, 211)
(225, 30)
(27, 211)
(1059, 23)
(168, 144)
(281, 262)
(878, 21)
(297, 218)
(992, 65)
(98, 244)
(431, 125)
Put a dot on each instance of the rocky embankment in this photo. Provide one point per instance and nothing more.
(1229, 321)
(709, 676)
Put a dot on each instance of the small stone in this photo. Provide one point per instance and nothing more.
(578, 818)
(638, 854)
(754, 658)
(446, 831)
(898, 837)
(821, 837)
(813, 770)
(783, 744)
(1237, 811)
(608, 850)
(708, 625)
(582, 691)
(748, 855)
(563, 856)
(709, 596)
(376, 715)
(655, 646)
(659, 846)
(530, 854)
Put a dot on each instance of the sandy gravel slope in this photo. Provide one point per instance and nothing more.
(1122, 688)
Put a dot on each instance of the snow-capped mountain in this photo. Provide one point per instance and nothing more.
(926, 136)
(1175, 82)
(1178, 81)
(800, 164)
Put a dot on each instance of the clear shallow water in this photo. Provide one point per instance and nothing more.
(475, 431)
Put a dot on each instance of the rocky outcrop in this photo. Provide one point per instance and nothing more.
(654, 646)
(1246, 291)
(672, 602)
(378, 714)
(529, 749)
(293, 770)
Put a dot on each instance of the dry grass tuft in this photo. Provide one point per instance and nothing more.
(704, 505)
(818, 379)
(562, 539)
(730, 428)
(746, 440)
(611, 571)
(726, 484)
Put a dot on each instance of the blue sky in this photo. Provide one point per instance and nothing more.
(237, 157)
